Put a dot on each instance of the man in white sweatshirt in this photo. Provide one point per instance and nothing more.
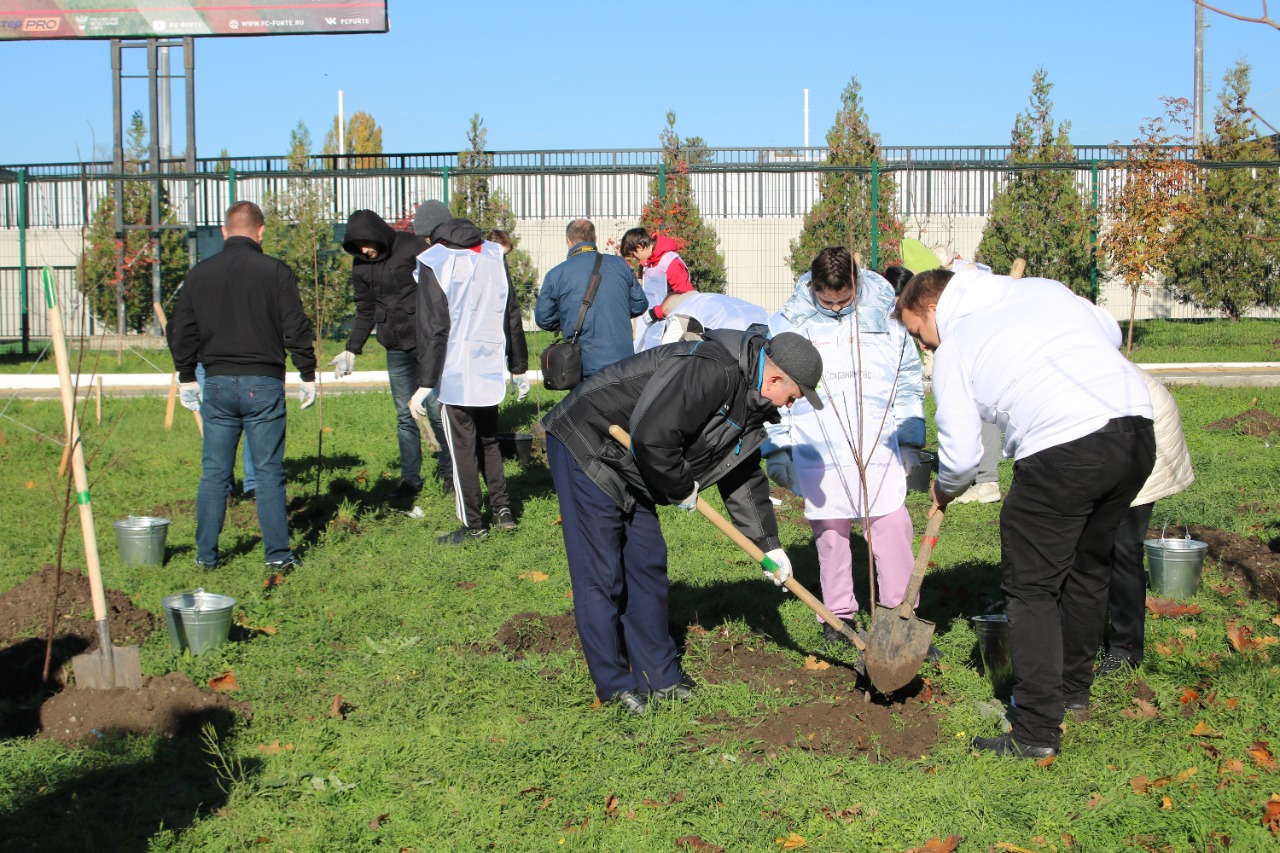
(1042, 364)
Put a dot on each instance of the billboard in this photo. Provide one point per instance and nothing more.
(93, 19)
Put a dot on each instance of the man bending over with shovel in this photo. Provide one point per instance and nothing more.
(1043, 364)
(696, 411)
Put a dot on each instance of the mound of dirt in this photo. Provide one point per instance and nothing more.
(1252, 561)
(1256, 422)
(24, 610)
(170, 705)
(826, 710)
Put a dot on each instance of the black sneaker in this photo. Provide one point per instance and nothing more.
(681, 691)
(1111, 663)
(463, 535)
(630, 701)
(408, 488)
(503, 519)
(1007, 744)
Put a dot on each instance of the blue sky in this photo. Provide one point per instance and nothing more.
(549, 74)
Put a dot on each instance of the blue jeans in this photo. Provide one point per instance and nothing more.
(250, 480)
(402, 373)
(253, 405)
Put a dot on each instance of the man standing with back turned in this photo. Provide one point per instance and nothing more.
(238, 312)
(1043, 364)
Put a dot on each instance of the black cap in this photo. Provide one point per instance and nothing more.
(797, 357)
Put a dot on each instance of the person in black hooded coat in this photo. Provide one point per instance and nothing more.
(386, 296)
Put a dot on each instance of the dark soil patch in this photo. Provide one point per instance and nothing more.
(823, 707)
(1252, 561)
(1255, 422)
(170, 705)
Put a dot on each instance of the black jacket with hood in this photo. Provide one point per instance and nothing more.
(385, 290)
(694, 414)
(433, 310)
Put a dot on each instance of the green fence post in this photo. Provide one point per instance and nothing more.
(1093, 238)
(444, 176)
(23, 298)
(662, 180)
(875, 214)
(231, 187)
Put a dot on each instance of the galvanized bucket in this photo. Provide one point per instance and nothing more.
(1175, 565)
(918, 479)
(994, 649)
(141, 539)
(198, 620)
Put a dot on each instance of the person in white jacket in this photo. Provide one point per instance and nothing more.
(873, 387)
(1043, 364)
(694, 311)
(1171, 474)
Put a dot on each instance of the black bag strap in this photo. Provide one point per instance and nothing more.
(592, 286)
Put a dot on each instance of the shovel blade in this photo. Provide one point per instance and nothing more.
(95, 673)
(896, 648)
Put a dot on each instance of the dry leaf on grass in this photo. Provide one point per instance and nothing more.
(695, 842)
(1271, 814)
(1165, 803)
(1202, 730)
(1046, 761)
(226, 682)
(1188, 773)
(791, 842)
(1189, 695)
(379, 820)
(1260, 752)
(812, 662)
(536, 577)
(274, 748)
(939, 845)
(465, 585)
(1095, 800)
(335, 708)
(1145, 710)
(1006, 847)
(1170, 608)
(611, 805)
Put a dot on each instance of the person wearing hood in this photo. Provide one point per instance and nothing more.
(873, 421)
(1043, 364)
(663, 272)
(468, 325)
(386, 295)
(694, 312)
(696, 412)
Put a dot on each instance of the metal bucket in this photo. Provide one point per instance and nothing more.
(1175, 566)
(994, 649)
(198, 620)
(918, 479)
(516, 445)
(141, 539)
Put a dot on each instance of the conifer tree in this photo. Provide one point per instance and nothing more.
(1227, 255)
(842, 214)
(98, 262)
(362, 135)
(677, 216)
(1039, 214)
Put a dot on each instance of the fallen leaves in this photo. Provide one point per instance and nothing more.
(812, 662)
(225, 683)
(1271, 814)
(535, 577)
(1144, 711)
(939, 845)
(611, 805)
(1260, 752)
(1202, 729)
(1095, 799)
(1242, 639)
(791, 842)
(695, 842)
(846, 815)
(379, 820)
(465, 585)
(274, 748)
(336, 709)
(1171, 608)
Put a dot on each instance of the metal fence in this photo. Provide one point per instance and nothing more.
(755, 199)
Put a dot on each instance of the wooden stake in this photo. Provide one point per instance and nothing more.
(173, 400)
(98, 395)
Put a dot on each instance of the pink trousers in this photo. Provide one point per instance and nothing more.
(891, 537)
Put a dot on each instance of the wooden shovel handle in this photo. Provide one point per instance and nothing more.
(754, 552)
(907, 608)
(1019, 267)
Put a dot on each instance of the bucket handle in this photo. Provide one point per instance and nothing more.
(1187, 534)
(149, 523)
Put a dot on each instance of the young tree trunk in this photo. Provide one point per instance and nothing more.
(1133, 310)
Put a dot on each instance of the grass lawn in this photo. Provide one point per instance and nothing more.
(446, 740)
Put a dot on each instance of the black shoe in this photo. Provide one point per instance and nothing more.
(630, 701)
(503, 518)
(681, 691)
(447, 489)
(463, 535)
(408, 487)
(933, 655)
(1111, 663)
(1008, 745)
(1077, 708)
(249, 495)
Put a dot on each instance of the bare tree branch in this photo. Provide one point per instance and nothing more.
(1265, 18)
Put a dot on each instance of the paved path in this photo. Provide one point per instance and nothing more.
(44, 386)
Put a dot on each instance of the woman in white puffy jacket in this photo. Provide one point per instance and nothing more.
(873, 388)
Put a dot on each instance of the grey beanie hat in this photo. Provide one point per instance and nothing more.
(797, 357)
(429, 215)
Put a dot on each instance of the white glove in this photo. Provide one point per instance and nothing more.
(189, 395)
(781, 572)
(307, 394)
(343, 364)
(781, 469)
(520, 384)
(690, 503)
(415, 402)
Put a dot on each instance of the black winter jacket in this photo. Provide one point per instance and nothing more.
(694, 414)
(384, 288)
(433, 310)
(237, 313)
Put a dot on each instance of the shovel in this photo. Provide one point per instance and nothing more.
(754, 552)
(108, 666)
(898, 639)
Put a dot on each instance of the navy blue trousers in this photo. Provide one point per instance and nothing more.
(618, 568)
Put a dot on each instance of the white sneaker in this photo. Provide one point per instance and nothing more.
(983, 493)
